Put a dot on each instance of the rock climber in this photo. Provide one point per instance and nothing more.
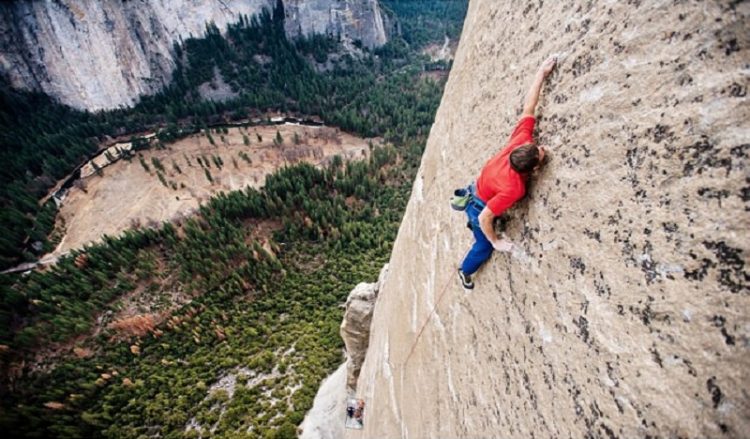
(360, 411)
(502, 182)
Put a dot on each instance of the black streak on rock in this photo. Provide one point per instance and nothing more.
(592, 235)
(731, 46)
(731, 266)
(660, 133)
(737, 91)
(648, 266)
(700, 272)
(608, 431)
(577, 264)
(583, 327)
(720, 322)
(655, 355)
(701, 155)
(670, 227)
(602, 289)
(715, 391)
(582, 65)
(728, 338)
(716, 194)
(740, 151)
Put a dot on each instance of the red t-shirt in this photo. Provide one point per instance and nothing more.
(499, 185)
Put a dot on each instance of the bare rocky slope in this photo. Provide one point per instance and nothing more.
(95, 55)
(625, 311)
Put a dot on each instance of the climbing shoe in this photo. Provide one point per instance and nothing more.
(465, 280)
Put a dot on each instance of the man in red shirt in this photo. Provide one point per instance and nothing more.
(502, 182)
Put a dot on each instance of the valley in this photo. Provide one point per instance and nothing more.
(191, 285)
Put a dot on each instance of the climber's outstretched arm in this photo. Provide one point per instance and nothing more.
(532, 97)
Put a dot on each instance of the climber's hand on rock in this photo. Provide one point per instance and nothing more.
(503, 245)
(548, 65)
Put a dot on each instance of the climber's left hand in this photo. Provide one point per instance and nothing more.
(548, 65)
(503, 245)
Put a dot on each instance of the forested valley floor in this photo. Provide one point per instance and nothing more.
(239, 305)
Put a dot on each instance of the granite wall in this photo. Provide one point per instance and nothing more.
(625, 309)
(94, 55)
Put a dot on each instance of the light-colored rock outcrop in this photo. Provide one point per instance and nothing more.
(104, 54)
(325, 420)
(625, 312)
(355, 328)
(353, 20)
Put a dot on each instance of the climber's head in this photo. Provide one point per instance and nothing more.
(527, 158)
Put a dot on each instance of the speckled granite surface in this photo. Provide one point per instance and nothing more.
(625, 311)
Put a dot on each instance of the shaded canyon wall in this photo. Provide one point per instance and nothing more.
(625, 309)
(104, 54)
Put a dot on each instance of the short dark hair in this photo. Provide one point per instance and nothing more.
(524, 158)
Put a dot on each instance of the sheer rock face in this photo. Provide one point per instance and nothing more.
(103, 54)
(625, 310)
(354, 20)
(355, 328)
(325, 420)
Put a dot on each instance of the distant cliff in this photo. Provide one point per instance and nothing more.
(625, 310)
(99, 54)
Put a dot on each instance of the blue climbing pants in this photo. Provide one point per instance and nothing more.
(482, 248)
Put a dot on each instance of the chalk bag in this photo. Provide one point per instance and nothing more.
(460, 199)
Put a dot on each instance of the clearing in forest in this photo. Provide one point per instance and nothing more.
(164, 184)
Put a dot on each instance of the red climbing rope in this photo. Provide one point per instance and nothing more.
(429, 317)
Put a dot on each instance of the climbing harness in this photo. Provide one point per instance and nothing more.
(462, 197)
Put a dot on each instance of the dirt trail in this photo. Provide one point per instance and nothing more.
(444, 52)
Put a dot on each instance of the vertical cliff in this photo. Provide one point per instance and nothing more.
(360, 20)
(625, 310)
(97, 55)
